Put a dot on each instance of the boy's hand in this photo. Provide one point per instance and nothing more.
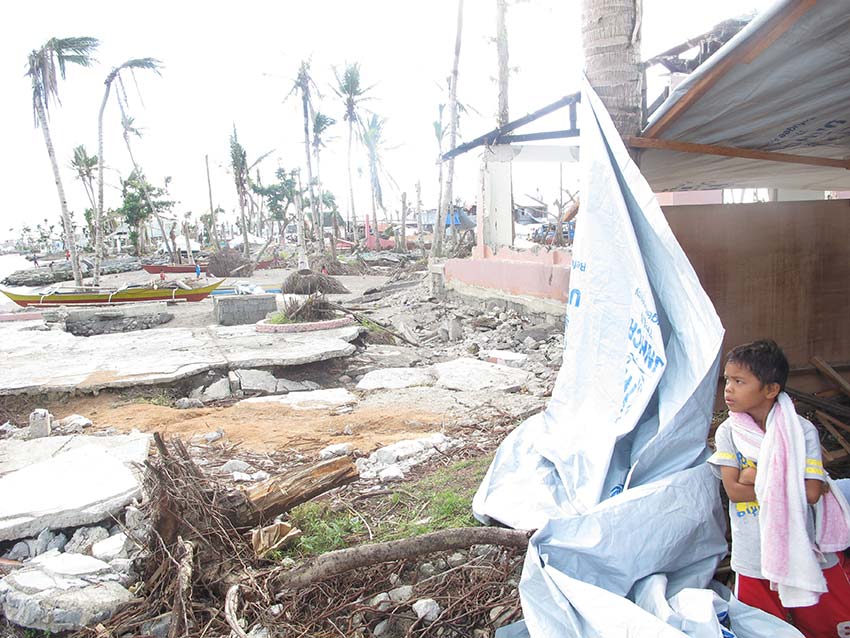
(824, 488)
(747, 476)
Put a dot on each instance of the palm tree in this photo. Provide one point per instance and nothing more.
(302, 84)
(239, 164)
(502, 54)
(41, 69)
(372, 136)
(132, 64)
(83, 165)
(321, 123)
(353, 94)
(128, 128)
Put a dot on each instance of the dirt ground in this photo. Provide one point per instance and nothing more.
(256, 426)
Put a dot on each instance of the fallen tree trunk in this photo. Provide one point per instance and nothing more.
(342, 560)
(279, 494)
(181, 609)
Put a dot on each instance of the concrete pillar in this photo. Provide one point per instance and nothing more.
(495, 201)
(41, 422)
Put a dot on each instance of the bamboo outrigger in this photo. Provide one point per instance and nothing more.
(58, 296)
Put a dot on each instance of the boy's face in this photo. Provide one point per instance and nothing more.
(745, 393)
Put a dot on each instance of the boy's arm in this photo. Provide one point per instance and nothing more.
(737, 492)
(815, 488)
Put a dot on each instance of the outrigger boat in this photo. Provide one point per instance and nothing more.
(170, 269)
(59, 296)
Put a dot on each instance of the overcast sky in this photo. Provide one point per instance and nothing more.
(227, 64)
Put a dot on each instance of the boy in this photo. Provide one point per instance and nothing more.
(755, 375)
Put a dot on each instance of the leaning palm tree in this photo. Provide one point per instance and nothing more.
(239, 164)
(132, 64)
(128, 129)
(372, 135)
(321, 123)
(41, 68)
(303, 84)
(353, 94)
(83, 165)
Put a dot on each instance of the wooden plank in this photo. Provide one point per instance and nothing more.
(826, 421)
(830, 373)
(822, 404)
(839, 424)
(745, 53)
(731, 151)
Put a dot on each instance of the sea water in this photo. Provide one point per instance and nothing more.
(11, 263)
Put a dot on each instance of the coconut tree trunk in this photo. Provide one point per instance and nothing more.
(70, 240)
(403, 247)
(317, 223)
(333, 213)
(610, 32)
(299, 219)
(353, 214)
(419, 229)
(213, 224)
(98, 214)
(502, 52)
(450, 167)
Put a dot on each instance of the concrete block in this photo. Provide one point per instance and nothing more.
(41, 422)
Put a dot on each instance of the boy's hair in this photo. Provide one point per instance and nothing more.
(764, 359)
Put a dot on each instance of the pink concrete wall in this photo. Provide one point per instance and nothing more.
(682, 198)
(544, 273)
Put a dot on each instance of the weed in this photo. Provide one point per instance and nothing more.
(322, 529)
(161, 398)
(279, 318)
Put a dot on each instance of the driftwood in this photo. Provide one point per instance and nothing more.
(364, 319)
(832, 374)
(181, 609)
(279, 494)
(231, 603)
(342, 560)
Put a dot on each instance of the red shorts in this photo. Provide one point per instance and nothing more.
(829, 618)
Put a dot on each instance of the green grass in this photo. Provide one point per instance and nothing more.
(440, 500)
(161, 398)
(279, 318)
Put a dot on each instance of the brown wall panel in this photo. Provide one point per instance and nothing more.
(779, 270)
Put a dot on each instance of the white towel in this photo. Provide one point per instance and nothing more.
(788, 558)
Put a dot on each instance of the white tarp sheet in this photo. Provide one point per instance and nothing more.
(613, 472)
(792, 97)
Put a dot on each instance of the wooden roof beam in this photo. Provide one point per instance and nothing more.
(731, 151)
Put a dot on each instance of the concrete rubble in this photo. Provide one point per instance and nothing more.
(472, 374)
(78, 486)
(393, 461)
(58, 592)
(151, 357)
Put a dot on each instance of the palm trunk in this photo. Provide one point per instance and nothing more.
(185, 229)
(502, 52)
(611, 40)
(421, 238)
(335, 231)
(299, 218)
(353, 214)
(70, 241)
(246, 251)
(403, 223)
(375, 215)
(213, 224)
(450, 169)
(317, 223)
(98, 214)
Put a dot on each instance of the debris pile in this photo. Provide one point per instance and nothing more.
(61, 271)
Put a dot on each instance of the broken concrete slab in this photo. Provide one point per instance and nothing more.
(74, 488)
(311, 400)
(394, 378)
(61, 592)
(472, 374)
(110, 548)
(152, 357)
(285, 385)
(257, 381)
(507, 358)
(391, 462)
(126, 448)
(217, 391)
(85, 538)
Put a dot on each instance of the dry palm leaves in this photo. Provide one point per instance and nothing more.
(307, 282)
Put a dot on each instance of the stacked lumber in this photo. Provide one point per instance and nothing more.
(831, 413)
